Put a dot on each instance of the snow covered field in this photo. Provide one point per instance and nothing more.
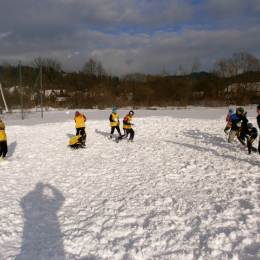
(180, 191)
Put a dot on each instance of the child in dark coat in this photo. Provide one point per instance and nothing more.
(250, 132)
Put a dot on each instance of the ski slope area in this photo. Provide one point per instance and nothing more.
(179, 191)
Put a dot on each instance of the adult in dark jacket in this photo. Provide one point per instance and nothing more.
(237, 126)
(250, 132)
(258, 123)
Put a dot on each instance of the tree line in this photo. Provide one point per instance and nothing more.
(233, 80)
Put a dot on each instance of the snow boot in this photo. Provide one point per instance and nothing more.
(111, 136)
(84, 143)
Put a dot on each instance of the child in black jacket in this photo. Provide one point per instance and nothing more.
(250, 132)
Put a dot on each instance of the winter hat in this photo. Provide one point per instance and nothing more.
(231, 111)
(249, 125)
(77, 112)
(240, 109)
(114, 109)
(258, 107)
(131, 112)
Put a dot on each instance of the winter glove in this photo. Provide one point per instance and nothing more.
(115, 120)
(226, 129)
(132, 124)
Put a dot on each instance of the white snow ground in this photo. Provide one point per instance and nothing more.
(180, 191)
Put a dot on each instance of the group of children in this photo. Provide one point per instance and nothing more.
(242, 129)
(79, 141)
(237, 123)
(127, 125)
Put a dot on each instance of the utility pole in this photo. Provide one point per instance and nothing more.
(21, 87)
(41, 91)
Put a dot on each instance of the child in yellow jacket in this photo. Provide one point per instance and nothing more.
(76, 142)
(127, 126)
(3, 141)
(114, 122)
(80, 126)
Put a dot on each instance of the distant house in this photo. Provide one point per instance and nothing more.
(12, 89)
(53, 94)
(237, 87)
(198, 94)
(74, 93)
(61, 101)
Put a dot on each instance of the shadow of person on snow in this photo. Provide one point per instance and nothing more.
(207, 138)
(42, 237)
(102, 133)
(11, 149)
(203, 149)
(70, 135)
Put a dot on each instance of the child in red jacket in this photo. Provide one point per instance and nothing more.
(229, 124)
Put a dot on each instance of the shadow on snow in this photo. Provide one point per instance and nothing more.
(214, 141)
(42, 237)
(70, 135)
(102, 133)
(11, 149)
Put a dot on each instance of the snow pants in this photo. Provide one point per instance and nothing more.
(81, 131)
(3, 149)
(126, 133)
(232, 135)
(239, 136)
(113, 129)
(250, 145)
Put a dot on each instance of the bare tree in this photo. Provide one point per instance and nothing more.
(53, 65)
(38, 62)
(164, 72)
(243, 62)
(101, 72)
(222, 68)
(195, 65)
(90, 67)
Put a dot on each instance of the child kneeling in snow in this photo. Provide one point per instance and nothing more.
(3, 141)
(76, 142)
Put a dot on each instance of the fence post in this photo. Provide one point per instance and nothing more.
(21, 87)
(41, 93)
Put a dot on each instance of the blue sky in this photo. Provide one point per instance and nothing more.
(129, 36)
